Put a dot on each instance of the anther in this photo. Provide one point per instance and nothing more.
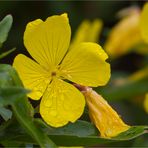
(53, 73)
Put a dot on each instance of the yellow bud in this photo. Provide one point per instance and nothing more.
(103, 115)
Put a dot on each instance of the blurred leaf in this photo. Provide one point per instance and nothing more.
(10, 144)
(80, 133)
(12, 93)
(9, 77)
(5, 113)
(141, 142)
(5, 26)
(124, 91)
(132, 133)
(6, 53)
(9, 96)
(141, 48)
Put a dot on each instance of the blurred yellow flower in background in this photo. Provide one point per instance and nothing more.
(144, 32)
(88, 31)
(144, 23)
(84, 64)
(127, 35)
(146, 103)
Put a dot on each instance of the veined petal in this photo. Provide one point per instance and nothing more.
(48, 41)
(31, 27)
(33, 76)
(144, 23)
(61, 103)
(85, 65)
(103, 115)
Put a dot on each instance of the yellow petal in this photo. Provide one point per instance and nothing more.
(80, 35)
(103, 116)
(61, 103)
(48, 41)
(31, 27)
(33, 76)
(144, 23)
(124, 36)
(85, 65)
(146, 103)
(87, 32)
(94, 31)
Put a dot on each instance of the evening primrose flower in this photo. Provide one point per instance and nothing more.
(124, 35)
(103, 115)
(121, 41)
(48, 42)
(146, 103)
(87, 32)
(144, 32)
(144, 23)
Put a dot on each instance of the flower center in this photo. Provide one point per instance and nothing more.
(53, 74)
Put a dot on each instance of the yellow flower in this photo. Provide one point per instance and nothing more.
(48, 42)
(103, 116)
(146, 103)
(129, 34)
(87, 32)
(144, 33)
(124, 35)
(144, 23)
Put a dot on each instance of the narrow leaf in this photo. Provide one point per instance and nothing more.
(5, 26)
(6, 53)
(5, 113)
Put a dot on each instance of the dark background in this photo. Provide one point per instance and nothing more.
(26, 11)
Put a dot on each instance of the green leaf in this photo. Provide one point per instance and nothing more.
(80, 133)
(6, 53)
(133, 132)
(12, 93)
(79, 128)
(125, 91)
(8, 76)
(5, 26)
(141, 142)
(83, 133)
(5, 113)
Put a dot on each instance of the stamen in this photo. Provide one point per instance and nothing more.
(53, 73)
